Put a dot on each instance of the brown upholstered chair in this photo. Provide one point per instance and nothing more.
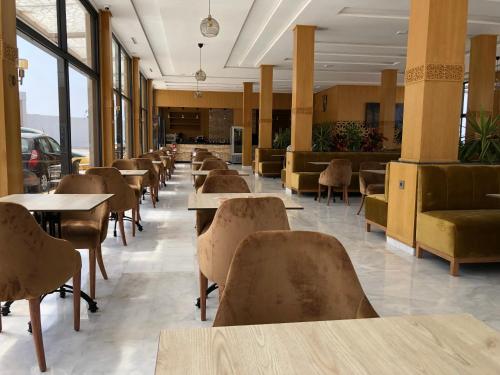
(86, 230)
(32, 264)
(124, 198)
(159, 167)
(218, 184)
(291, 276)
(208, 165)
(151, 179)
(135, 182)
(201, 156)
(336, 175)
(218, 172)
(234, 221)
(370, 183)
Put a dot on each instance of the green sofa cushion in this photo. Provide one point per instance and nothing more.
(461, 233)
(376, 209)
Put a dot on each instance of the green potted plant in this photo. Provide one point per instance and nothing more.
(322, 137)
(282, 139)
(485, 146)
(354, 137)
(373, 141)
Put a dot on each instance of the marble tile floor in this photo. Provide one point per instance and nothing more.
(153, 284)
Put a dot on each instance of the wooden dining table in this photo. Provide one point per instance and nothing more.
(432, 344)
(133, 172)
(47, 210)
(205, 173)
(211, 201)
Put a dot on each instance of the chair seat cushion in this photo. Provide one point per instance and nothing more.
(375, 189)
(376, 209)
(461, 233)
(83, 234)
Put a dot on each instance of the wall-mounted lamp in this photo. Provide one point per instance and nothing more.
(22, 66)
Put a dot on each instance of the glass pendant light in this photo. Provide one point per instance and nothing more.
(200, 75)
(197, 94)
(209, 26)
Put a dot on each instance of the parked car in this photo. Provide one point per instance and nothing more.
(42, 155)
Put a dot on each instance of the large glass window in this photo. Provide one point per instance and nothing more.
(122, 100)
(58, 94)
(463, 116)
(79, 31)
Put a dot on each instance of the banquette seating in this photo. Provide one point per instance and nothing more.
(266, 163)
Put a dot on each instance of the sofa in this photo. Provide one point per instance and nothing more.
(376, 206)
(456, 220)
(266, 164)
(304, 176)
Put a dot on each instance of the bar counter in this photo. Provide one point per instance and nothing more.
(184, 151)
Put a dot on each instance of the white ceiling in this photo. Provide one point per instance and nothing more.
(355, 40)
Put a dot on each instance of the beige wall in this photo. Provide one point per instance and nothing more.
(347, 103)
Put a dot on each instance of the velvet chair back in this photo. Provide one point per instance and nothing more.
(338, 173)
(124, 198)
(32, 263)
(99, 217)
(235, 220)
(291, 276)
(366, 178)
(150, 179)
(128, 164)
(218, 184)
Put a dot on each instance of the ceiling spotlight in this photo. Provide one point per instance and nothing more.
(200, 75)
(209, 26)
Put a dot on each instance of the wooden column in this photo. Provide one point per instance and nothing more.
(11, 172)
(136, 107)
(266, 107)
(496, 99)
(481, 77)
(150, 114)
(388, 92)
(433, 99)
(302, 87)
(247, 124)
(106, 86)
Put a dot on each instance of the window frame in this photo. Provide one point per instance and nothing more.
(64, 60)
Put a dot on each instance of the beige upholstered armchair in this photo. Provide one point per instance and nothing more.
(32, 264)
(208, 165)
(124, 198)
(86, 230)
(291, 276)
(370, 183)
(218, 184)
(336, 176)
(234, 221)
(151, 179)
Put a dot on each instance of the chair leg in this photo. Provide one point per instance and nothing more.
(368, 227)
(92, 260)
(454, 267)
(362, 203)
(77, 279)
(346, 195)
(419, 253)
(138, 211)
(319, 193)
(329, 195)
(100, 262)
(134, 219)
(153, 198)
(0, 317)
(36, 328)
(203, 296)
(122, 228)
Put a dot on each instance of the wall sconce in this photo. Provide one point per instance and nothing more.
(22, 66)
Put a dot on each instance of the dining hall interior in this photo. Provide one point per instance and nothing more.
(250, 187)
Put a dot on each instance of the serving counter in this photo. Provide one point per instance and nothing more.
(184, 151)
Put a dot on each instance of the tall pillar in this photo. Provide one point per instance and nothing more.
(496, 100)
(388, 91)
(106, 86)
(481, 77)
(433, 99)
(150, 114)
(247, 124)
(266, 107)
(302, 87)
(11, 172)
(136, 107)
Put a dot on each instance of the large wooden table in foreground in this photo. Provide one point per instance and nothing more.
(434, 344)
(212, 201)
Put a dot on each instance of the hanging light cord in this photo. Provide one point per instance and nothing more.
(209, 14)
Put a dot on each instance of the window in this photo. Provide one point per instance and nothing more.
(122, 101)
(58, 95)
(79, 26)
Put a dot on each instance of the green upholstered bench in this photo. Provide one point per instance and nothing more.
(455, 218)
(266, 163)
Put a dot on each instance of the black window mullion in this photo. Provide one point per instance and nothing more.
(64, 115)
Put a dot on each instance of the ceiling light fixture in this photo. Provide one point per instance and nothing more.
(209, 26)
(200, 75)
